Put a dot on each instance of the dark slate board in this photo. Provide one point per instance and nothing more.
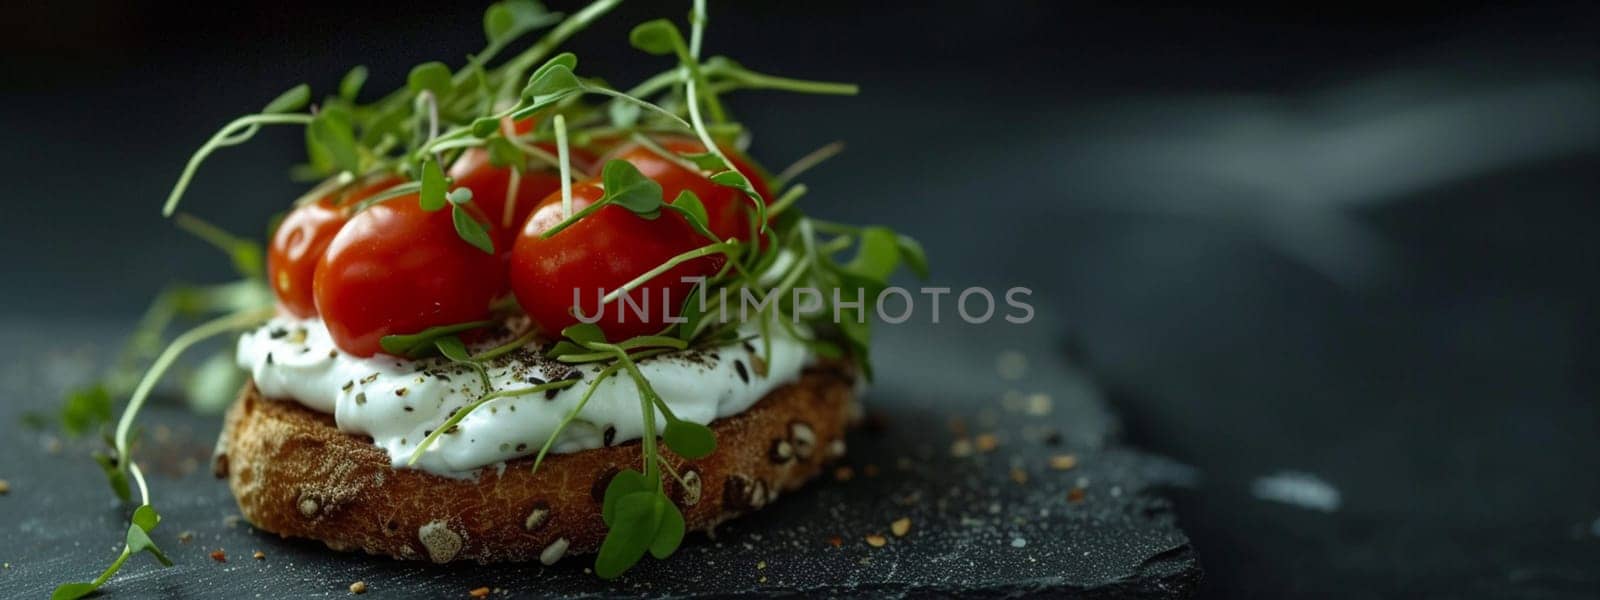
(975, 529)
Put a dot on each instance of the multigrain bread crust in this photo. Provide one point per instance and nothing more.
(297, 475)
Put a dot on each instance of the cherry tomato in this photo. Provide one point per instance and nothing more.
(490, 184)
(302, 238)
(598, 254)
(397, 269)
(727, 209)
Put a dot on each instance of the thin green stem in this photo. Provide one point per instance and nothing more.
(224, 137)
(565, 223)
(506, 348)
(651, 106)
(516, 67)
(564, 156)
(701, 252)
(189, 338)
(573, 414)
(461, 413)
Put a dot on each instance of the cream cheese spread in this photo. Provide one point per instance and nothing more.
(398, 402)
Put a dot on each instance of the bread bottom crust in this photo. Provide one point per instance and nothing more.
(295, 474)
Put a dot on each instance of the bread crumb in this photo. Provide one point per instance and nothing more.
(844, 473)
(259, 555)
(761, 565)
(1075, 495)
(835, 541)
(186, 537)
(1020, 476)
(219, 556)
(986, 442)
(1063, 462)
(5, 487)
(359, 587)
(876, 541)
(482, 592)
(961, 448)
(900, 527)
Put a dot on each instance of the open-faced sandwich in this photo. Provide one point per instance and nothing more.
(527, 315)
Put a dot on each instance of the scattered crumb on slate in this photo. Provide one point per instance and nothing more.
(259, 555)
(359, 587)
(5, 487)
(844, 473)
(961, 448)
(1063, 462)
(1075, 495)
(1020, 476)
(876, 541)
(186, 537)
(986, 442)
(482, 592)
(835, 541)
(219, 556)
(900, 527)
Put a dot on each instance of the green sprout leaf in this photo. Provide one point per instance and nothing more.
(295, 99)
(85, 409)
(470, 230)
(707, 161)
(459, 196)
(584, 333)
(73, 591)
(659, 37)
(431, 196)
(138, 540)
(551, 85)
(452, 348)
(634, 527)
(419, 344)
(502, 153)
(350, 84)
(483, 127)
(913, 256)
(623, 114)
(694, 210)
(626, 482)
(627, 187)
(146, 517)
(878, 255)
(504, 21)
(431, 77)
(731, 178)
(690, 440)
(331, 134)
(114, 476)
(670, 533)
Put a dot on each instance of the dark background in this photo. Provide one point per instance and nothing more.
(1355, 242)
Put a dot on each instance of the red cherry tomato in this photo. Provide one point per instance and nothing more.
(601, 253)
(727, 209)
(490, 184)
(302, 238)
(397, 269)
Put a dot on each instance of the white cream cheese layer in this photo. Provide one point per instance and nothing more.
(399, 402)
